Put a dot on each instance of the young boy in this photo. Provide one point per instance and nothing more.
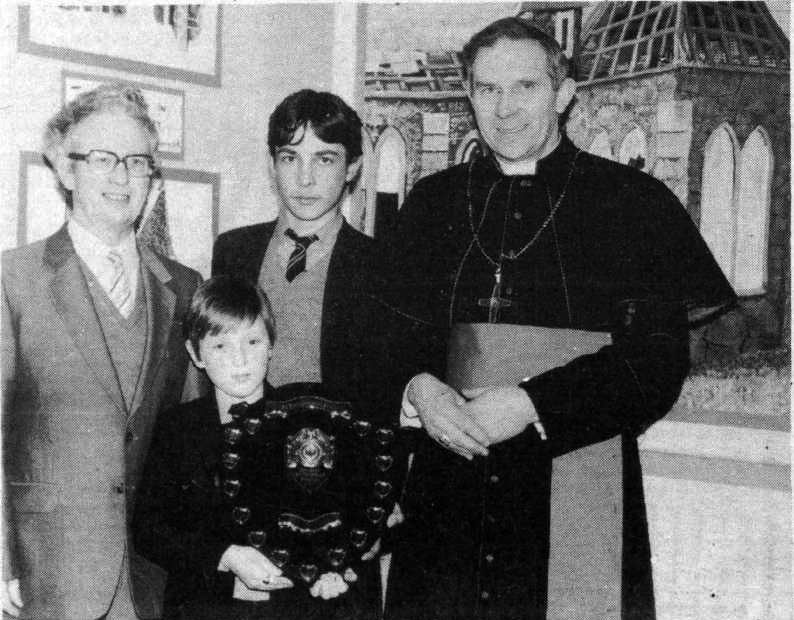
(229, 332)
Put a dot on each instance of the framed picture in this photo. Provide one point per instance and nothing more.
(166, 108)
(180, 220)
(168, 41)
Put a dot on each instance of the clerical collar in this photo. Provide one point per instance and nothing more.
(524, 167)
(518, 168)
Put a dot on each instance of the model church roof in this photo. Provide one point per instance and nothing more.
(625, 38)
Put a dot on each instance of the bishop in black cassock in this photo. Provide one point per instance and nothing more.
(588, 270)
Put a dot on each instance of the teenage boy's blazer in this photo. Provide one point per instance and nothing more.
(350, 338)
(73, 450)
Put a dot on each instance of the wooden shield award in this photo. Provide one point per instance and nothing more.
(308, 482)
(587, 484)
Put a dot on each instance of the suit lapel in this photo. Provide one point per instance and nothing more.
(253, 262)
(160, 304)
(340, 289)
(73, 303)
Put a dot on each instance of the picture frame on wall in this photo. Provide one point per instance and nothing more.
(168, 41)
(180, 221)
(166, 108)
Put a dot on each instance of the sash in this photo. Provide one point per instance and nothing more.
(586, 529)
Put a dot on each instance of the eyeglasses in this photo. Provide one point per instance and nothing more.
(105, 162)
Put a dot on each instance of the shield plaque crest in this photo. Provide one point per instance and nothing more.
(308, 480)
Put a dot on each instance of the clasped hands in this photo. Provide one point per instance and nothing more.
(470, 421)
(255, 576)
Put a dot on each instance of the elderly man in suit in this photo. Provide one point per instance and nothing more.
(91, 352)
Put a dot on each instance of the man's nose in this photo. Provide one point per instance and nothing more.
(506, 104)
(120, 175)
(305, 174)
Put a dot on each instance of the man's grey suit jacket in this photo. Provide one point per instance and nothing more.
(73, 450)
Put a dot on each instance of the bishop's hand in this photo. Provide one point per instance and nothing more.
(502, 411)
(443, 417)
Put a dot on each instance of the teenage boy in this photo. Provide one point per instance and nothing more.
(315, 268)
(229, 333)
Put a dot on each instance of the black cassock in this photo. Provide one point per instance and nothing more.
(586, 251)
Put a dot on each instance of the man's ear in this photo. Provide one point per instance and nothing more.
(271, 167)
(353, 168)
(64, 167)
(194, 355)
(565, 93)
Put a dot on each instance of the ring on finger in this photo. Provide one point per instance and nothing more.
(444, 439)
(267, 579)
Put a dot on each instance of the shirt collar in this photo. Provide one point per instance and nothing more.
(524, 167)
(93, 250)
(326, 235)
(553, 168)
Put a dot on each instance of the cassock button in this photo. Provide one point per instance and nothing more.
(485, 595)
(494, 479)
(517, 215)
(489, 558)
(526, 182)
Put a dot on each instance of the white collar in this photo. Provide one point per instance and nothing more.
(518, 168)
(89, 247)
(525, 166)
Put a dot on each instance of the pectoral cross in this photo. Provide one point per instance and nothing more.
(495, 302)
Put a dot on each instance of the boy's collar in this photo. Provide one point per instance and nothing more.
(225, 402)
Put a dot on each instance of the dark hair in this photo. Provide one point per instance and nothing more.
(223, 302)
(330, 117)
(516, 29)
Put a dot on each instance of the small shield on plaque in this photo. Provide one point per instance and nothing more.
(256, 538)
(230, 460)
(336, 556)
(252, 425)
(375, 514)
(361, 427)
(384, 462)
(232, 435)
(382, 488)
(279, 557)
(358, 538)
(384, 436)
(231, 488)
(308, 572)
(241, 514)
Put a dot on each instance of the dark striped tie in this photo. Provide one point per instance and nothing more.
(297, 260)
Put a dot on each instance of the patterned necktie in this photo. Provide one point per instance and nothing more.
(119, 288)
(297, 260)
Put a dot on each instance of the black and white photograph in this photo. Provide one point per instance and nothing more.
(442, 310)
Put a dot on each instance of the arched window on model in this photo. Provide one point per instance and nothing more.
(717, 205)
(600, 145)
(752, 213)
(634, 150)
(390, 178)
